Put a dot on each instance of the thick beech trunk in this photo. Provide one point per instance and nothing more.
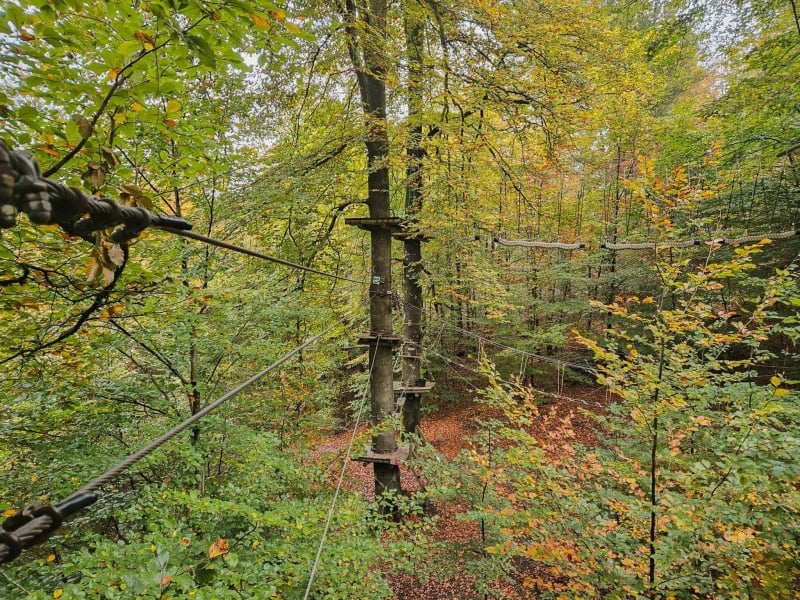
(366, 25)
(412, 255)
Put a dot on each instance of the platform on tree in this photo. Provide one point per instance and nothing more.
(392, 224)
(402, 388)
(400, 455)
(372, 339)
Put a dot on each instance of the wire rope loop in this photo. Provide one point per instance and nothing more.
(10, 546)
(48, 202)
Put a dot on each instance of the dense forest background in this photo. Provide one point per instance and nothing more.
(590, 126)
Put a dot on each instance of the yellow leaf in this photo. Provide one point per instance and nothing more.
(58, 593)
(48, 149)
(51, 557)
(258, 20)
(114, 72)
(775, 380)
(218, 548)
(120, 118)
(173, 106)
(781, 391)
(148, 46)
(137, 107)
(9, 512)
(291, 27)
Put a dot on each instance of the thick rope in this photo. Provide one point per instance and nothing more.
(536, 244)
(47, 202)
(649, 245)
(721, 241)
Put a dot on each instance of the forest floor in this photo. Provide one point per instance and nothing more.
(449, 428)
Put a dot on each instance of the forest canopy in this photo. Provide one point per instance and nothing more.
(579, 219)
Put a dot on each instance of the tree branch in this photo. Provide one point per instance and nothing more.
(99, 300)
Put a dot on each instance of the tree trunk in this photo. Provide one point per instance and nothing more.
(366, 27)
(412, 255)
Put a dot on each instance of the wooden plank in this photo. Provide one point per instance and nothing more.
(401, 388)
(391, 223)
(392, 458)
(369, 339)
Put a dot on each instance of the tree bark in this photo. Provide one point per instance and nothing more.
(366, 27)
(412, 255)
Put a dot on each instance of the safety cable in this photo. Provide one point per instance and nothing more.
(33, 525)
(341, 476)
(48, 202)
(23, 189)
(228, 246)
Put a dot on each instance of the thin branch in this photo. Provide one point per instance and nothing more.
(21, 279)
(120, 79)
(99, 300)
(796, 19)
(157, 355)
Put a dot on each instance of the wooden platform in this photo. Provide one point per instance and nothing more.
(393, 458)
(371, 339)
(393, 224)
(401, 388)
(411, 234)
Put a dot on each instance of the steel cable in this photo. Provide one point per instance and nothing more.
(35, 524)
(233, 247)
(332, 508)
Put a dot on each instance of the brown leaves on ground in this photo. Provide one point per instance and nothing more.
(561, 423)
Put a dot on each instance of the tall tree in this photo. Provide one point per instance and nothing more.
(367, 39)
(412, 245)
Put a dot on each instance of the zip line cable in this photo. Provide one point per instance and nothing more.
(331, 510)
(228, 246)
(33, 525)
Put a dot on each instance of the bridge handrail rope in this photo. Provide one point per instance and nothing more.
(537, 244)
(645, 245)
(556, 395)
(33, 525)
